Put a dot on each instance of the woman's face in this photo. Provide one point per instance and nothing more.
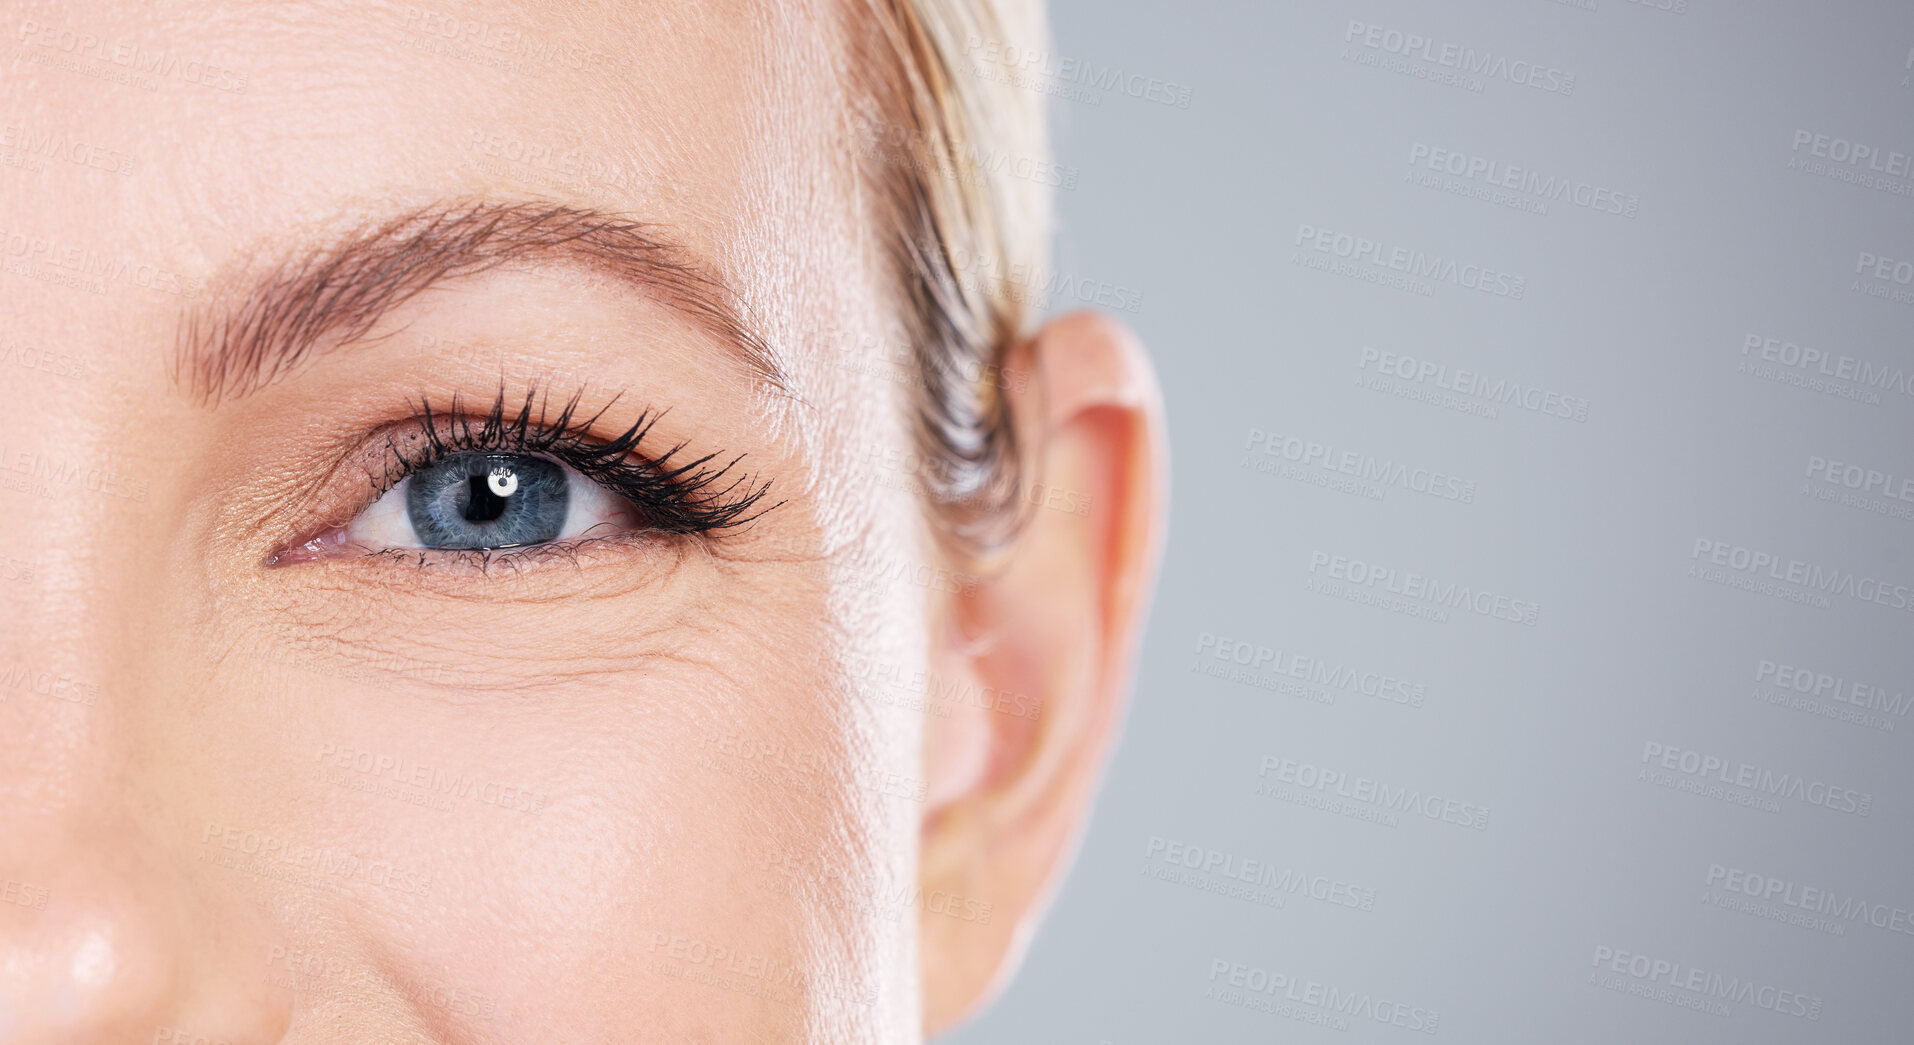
(287, 753)
(626, 790)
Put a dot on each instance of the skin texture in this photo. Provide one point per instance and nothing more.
(656, 789)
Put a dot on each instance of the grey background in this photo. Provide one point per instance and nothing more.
(1498, 930)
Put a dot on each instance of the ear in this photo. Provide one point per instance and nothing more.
(1042, 649)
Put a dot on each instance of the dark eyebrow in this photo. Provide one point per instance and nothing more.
(236, 343)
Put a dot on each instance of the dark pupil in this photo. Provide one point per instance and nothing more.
(453, 504)
(481, 504)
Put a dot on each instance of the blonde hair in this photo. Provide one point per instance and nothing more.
(960, 213)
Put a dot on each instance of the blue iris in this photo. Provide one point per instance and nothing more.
(468, 501)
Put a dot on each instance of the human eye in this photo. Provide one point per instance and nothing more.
(454, 485)
(489, 502)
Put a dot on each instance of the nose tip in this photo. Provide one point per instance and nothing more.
(118, 951)
(87, 967)
(89, 979)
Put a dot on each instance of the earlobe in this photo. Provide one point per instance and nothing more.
(1047, 642)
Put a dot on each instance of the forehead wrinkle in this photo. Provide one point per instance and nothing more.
(230, 348)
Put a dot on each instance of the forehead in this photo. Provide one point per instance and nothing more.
(209, 130)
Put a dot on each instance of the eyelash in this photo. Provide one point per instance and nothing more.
(689, 499)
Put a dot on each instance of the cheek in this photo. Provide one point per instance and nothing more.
(718, 841)
(692, 867)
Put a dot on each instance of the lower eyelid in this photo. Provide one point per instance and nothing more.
(573, 552)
